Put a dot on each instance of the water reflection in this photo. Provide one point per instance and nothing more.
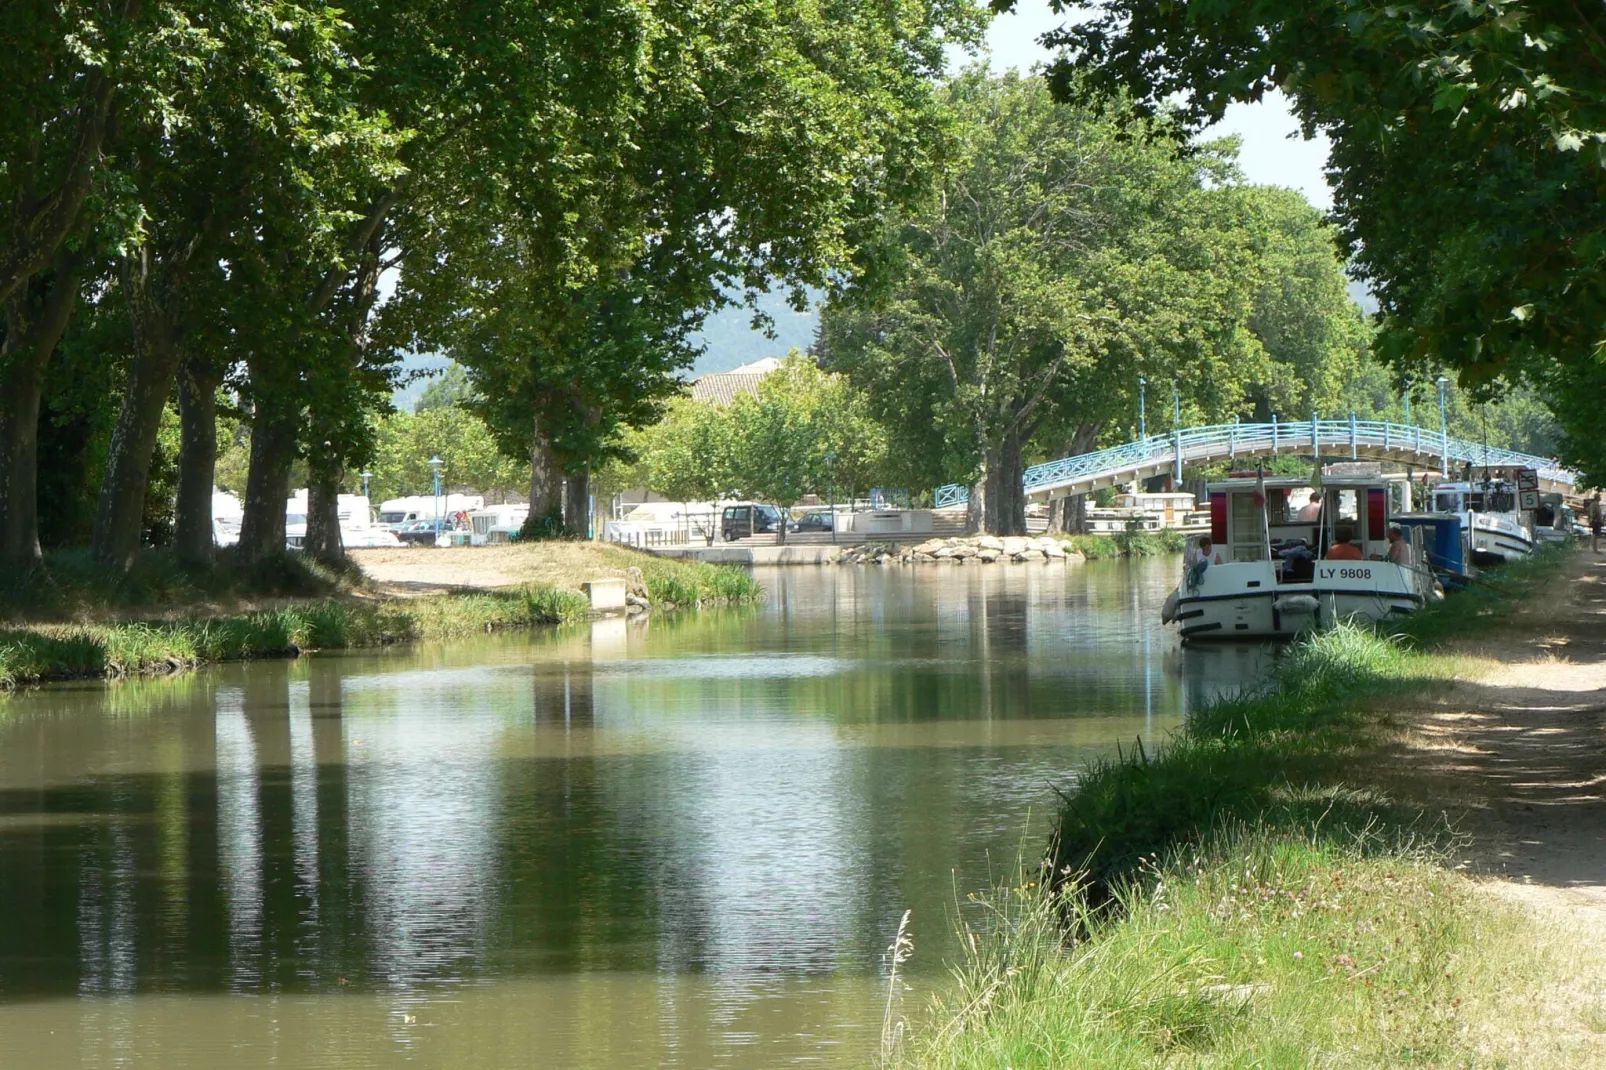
(680, 842)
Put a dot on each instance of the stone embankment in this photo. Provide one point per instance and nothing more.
(982, 549)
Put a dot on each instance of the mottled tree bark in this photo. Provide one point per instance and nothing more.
(976, 506)
(273, 450)
(577, 503)
(34, 322)
(546, 485)
(323, 514)
(1005, 507)
(193, 538)
(120, 516)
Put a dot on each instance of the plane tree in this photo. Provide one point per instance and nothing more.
(1065, 251)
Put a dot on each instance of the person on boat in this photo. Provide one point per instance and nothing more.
(1312, 512)
(1343, 549)
(1198, 557)
(1399, 549)
(1203, 550)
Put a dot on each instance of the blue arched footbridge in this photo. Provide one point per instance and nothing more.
(1367, 440)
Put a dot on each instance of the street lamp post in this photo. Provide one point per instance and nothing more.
(366, 476)
(1408, 385)
(1444, 432)
(1176, 434)
(830, 479)
(1143, 412)
(435, 465)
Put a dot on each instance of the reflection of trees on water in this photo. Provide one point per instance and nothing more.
(724, 799)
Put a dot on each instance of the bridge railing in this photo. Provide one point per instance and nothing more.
(1359, 437)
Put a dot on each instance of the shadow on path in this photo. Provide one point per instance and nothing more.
(1517, 756)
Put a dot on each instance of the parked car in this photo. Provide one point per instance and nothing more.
(740, 521)
(421, 532)
(813, 522)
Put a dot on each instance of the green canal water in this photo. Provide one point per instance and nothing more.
(683, 843)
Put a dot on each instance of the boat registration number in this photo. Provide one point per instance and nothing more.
(1359, 573)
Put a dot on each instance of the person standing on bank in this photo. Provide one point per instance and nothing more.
(1595, 520)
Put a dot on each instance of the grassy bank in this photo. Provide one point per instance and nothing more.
(1238, 897)
(1138, 544)
(43, 641)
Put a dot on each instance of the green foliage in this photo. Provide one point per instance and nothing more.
(447, 390)
(806, 431)
(405, 442)
(1072, 250)
(772, 446)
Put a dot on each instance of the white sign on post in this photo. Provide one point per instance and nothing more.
(1528, 479)
(1528, 500)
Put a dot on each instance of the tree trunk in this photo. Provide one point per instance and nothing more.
(1076, 514)
(546, 486)
(577, 503)
(273, 449)
(121, 513)
(323, 514)
(976, 506)
(193, 539)
(1005, 509)
(32, 330)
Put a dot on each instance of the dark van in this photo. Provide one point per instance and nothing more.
(740, 521)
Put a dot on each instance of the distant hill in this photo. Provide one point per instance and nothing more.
(729, 338)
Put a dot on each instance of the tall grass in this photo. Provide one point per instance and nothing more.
(1138, 544)
(689, 583)
(46, 652)
(1230, 899)
(1258, 947)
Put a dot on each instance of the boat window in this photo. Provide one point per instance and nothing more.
(1346, 501)
(1447, 502)
(1248, 542)
(1500, 500)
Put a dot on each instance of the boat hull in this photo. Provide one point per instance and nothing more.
(1497, 539)
(1244, 601)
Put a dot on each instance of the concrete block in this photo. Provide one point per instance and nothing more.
(607, 595)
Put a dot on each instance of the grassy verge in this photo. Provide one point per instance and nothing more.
(675, 582)
(52, 645)
(1234, 899)
(1141, 544)
(61, 651)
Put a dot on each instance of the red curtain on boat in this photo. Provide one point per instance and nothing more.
(1218, 519)
(1376, 510)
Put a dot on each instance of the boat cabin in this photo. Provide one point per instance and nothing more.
(1299, 524)
(1494, 496)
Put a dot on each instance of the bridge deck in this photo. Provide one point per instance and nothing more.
(1370, 440)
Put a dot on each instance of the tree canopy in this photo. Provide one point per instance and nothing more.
(1468, 161)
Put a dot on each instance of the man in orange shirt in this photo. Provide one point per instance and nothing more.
(1343, 549)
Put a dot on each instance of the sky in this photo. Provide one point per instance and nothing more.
(1273, 153)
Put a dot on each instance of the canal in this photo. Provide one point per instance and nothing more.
(683, 843)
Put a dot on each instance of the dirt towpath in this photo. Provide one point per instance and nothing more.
(1515, 752)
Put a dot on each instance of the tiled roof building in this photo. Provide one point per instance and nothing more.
(722, 388)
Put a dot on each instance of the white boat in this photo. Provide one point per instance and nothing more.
(1488, 511)
(1276, 578)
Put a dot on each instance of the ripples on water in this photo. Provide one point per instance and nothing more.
(683, 844)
